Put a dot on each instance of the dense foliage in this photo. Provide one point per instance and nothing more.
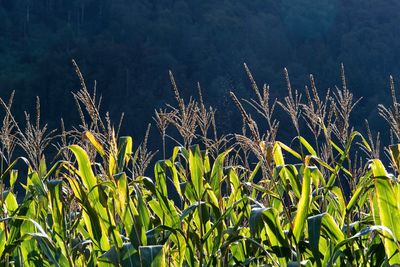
(128, 46)
(214, 200)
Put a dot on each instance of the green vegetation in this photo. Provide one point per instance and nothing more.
(241, 199)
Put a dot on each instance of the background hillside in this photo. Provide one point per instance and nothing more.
(128, 46)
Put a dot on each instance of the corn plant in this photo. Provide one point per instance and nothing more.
(233, 200)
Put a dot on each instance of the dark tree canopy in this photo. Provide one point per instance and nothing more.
(129, 46)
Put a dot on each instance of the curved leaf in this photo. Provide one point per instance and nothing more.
(388, 208)
(303, 205)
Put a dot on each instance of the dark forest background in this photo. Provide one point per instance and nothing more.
(128, 46)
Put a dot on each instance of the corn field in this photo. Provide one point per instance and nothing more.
(243, 199)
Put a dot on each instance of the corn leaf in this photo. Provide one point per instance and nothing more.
(303, 205)
(388, 208)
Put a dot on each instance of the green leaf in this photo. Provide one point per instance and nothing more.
(122, 192)
(161, 177)
(124, 151)
(303, 205)
(326, 225)
(13, 178)
(3, 242)
(42, 168)
(166, 211)
(277, 154)
(217, 173)
(11, 202)
(85, 169)
(360, 191)
(268, 218)
(388, 208)
(307, 145)
(227, 212)
(175, 176)
(152, 256)
(288, 149)
(289, 176)
(337, 252)
(196, 170)
(11, 166)
(56, 206)
(127, 256)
